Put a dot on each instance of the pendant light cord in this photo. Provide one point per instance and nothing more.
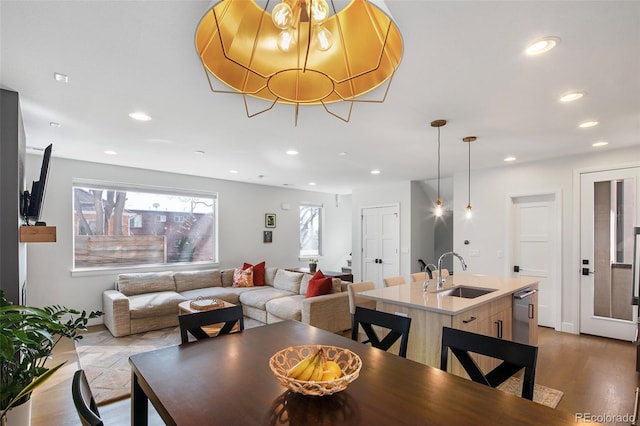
(438, 163)
(469, 177)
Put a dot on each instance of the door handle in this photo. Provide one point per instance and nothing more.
(530, 310)
(469, 320)
(587, 272)
(499, 324)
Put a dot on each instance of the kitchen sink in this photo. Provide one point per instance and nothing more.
(466, 292)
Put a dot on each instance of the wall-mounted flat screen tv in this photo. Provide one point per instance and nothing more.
(32, 202)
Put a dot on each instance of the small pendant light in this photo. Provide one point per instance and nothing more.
(438, 124)
(468, 140)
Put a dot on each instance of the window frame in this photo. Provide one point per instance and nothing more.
(147, 189)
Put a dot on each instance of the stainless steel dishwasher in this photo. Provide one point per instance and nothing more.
(523, 311)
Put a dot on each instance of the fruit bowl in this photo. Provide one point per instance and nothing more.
(283, 360)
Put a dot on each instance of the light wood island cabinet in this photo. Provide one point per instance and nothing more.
(490, 314)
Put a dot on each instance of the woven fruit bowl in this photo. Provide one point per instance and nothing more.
(283, 360)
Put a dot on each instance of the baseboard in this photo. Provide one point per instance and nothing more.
(569, 327)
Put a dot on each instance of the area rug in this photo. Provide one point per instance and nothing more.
(541, 394)
(105, 358)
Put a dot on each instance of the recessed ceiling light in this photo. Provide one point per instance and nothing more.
(571, 96)
(199, 152)
(375, 172)
(587, 124)
(312, 184)
(109, 152)
(508, 159)
(343, 153)
(54, 124)
(598, 144)
(62, 78)
(292, 152)
(235, 172)
(140, 116)
(542, 45)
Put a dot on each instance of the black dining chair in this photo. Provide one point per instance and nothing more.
(515, 356)
(395, 326)
(84, 401)
(193, 323)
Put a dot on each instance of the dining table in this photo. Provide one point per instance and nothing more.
(227, 380)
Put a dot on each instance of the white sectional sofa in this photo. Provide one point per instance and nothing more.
(149, 301)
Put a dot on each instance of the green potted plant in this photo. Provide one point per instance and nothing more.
(313, 265)
(27, 338)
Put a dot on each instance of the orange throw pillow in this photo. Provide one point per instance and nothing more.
(319, 285)
(258, 272)
(243, 278)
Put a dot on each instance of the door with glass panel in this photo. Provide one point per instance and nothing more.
(609, 213)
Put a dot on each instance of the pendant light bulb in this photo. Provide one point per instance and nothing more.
(469, 213)
(282, 16)
(438, 208)
(324, 38)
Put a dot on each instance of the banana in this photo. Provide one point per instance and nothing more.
(297, 369)
(311, 367)
(316, 375)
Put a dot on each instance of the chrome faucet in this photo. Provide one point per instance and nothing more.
(449, 253)
(427, 275)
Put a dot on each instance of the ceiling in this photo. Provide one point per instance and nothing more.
(463, 61)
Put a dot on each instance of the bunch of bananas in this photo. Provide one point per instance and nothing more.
(315, 368)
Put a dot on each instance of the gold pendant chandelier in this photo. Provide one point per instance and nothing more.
(298, 53)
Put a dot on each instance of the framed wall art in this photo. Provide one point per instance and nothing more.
(270, 220)
(267, 236)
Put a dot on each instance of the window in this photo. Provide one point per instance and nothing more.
(310, 230)
(117, 226)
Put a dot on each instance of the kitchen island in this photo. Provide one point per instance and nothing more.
(490, 313)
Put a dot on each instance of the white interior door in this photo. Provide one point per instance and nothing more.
(536, 245)
(608, 213)
(380, 243)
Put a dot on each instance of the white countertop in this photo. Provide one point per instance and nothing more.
(413, 296)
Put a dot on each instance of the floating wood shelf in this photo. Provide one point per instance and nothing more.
(37, 234)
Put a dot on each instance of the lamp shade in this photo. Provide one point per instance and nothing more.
(238, 44)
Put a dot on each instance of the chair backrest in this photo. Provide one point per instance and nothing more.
(418, 277)
(193, 323)
(354, 300)
(391, 281)
(83, 400)
(515, 356)
(397, 327)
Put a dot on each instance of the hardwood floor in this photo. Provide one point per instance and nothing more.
(597, 376)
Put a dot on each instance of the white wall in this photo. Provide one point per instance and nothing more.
(487, 231)
(242, 207)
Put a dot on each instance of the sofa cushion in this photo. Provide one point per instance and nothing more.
(270, 274)
(259, 298)
(304, 283)
(154, 304)
(191, 280)
(287, 280)
(288, 308)
(258, 272)
(336, 284)
(145, 282)
(243, 277)
(227, 277)
(319, 286)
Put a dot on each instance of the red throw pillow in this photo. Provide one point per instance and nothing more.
(258, 272)
(319, 286)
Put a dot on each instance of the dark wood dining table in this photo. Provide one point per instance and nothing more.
(227, 381)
